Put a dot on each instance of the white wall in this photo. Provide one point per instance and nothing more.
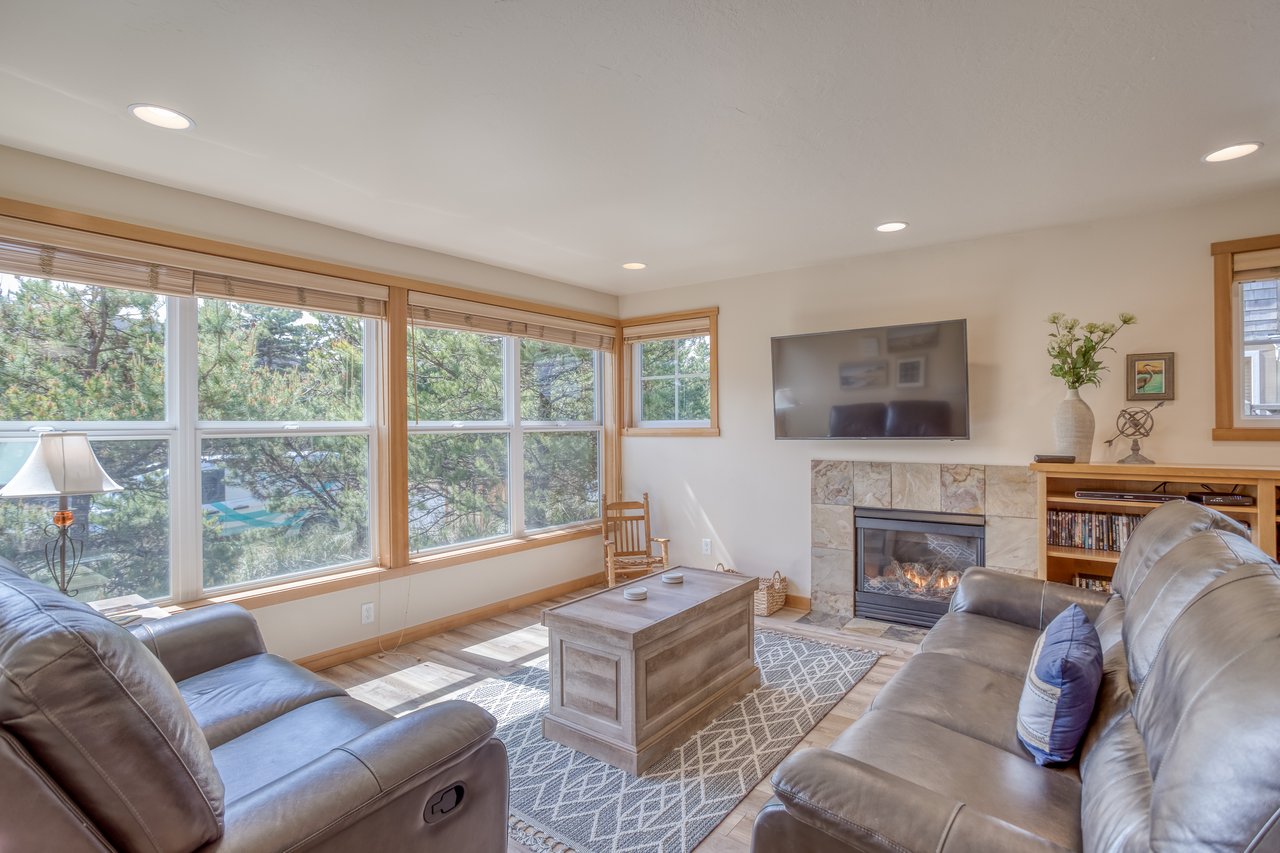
(313, 625)
(750, 493)
(300, 628)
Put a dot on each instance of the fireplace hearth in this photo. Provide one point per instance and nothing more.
(908, 563)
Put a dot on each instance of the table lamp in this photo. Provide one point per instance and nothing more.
(62, 464)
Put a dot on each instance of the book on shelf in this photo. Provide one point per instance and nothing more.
(1097, 583)
(1096, 531)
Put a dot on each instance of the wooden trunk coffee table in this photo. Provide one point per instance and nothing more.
(630, 680)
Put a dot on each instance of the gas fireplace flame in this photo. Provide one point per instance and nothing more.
(931, 581)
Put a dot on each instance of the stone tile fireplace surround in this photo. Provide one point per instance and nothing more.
(1005, 494)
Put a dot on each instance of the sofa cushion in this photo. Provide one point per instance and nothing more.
(232, 699)
(1158, 533)
(1174, 580)
(960, 695)
(101, 716)
(1207, 714)
(1060, 689)
(993, 643)
(292, 740)
(1116, 782)
(1043, 801)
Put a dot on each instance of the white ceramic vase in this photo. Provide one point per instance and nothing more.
(1073, 427)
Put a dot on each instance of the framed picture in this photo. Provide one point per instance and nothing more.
(909, 372)
(864, 374)
(1150, 376)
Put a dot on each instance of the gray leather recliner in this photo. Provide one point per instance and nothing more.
(185, 735)
(1182, 752)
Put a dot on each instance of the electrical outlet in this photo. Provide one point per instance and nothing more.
(366, 613)
(706, 546)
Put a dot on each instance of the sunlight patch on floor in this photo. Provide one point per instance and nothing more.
(513, 645)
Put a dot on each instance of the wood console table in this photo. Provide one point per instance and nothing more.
(1058, 483)
(630, 680)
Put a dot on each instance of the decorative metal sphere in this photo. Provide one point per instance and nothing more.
(1135, 423)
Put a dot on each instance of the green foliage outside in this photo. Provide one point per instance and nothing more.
(560, 476)
(75, 353)
(454, 376)
(458, 481)
(259, 363)
(557, 382)
(675, 379)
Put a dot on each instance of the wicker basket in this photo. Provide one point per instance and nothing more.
(771, 594)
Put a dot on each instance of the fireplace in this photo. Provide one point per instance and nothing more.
(908, 563)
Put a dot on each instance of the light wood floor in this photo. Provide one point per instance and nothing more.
(433, 669)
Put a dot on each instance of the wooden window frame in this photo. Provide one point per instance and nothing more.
(390, 422)
(1226, 388)
(626, 383)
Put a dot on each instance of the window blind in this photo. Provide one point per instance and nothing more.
(62, 264)
(238, 289)
(444, 312)
(681, 328)
(1256, 264)
(51, 251)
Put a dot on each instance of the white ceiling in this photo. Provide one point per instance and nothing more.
(709, 139)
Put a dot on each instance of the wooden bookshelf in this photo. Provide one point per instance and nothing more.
(1058, 483)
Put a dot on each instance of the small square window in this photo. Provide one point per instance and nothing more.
(671, 374)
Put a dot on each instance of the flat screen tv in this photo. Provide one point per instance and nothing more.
(888, 382)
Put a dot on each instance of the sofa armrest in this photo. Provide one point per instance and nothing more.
(1021, 600)
(861, 807)
(361, 779)
(433, 737)
(194, 641)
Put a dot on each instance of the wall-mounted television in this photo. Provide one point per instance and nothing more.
(887, 382)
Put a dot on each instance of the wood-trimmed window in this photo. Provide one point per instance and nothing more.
(186, 313)
(506, 425)
(669, 374)
(1246, 330)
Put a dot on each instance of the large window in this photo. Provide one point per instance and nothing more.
(241, 433)
(243, 409)
(1247, 328)
(504, 436)
(671, 374)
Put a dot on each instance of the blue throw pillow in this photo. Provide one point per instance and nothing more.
(1061, 687)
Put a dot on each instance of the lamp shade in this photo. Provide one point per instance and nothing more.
(63, 463)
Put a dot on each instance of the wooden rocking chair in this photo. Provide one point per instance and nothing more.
(628, 543)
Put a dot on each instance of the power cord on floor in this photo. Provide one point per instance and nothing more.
(404, 625)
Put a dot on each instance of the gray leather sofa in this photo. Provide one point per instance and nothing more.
(185, 735)
(1182, 752)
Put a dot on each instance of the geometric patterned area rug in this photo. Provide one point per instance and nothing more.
(562, 800)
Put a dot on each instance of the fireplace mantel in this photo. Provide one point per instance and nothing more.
(1004, 494)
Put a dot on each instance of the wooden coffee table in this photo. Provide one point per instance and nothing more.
(630, 680)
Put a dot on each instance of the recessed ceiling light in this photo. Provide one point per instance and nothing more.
(161, 116)
(1231, 152)
(634, 265)
(887, 227)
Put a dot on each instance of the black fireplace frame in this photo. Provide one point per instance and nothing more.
(897, 608)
